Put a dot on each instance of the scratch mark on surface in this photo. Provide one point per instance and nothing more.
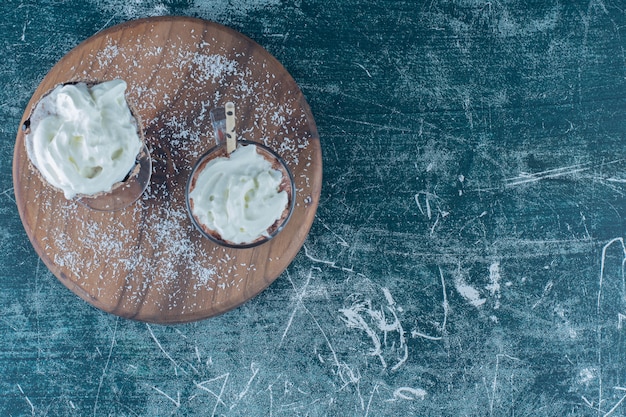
(468, 292)
(494, 285)
(161, 347)
(341, 240)
(106, 367)
(395, 326)
(332, 264)
(546, 289)
(494, 383)
(426, 208)
(525, 177)
(32, 407)
(602, 265)
(612, 242)
(330, 346)
(354, 317)
(426, 211)
(369, 402)
(611, 179)
(590, 404)
(354, 379)
(107, 23)
(335, 90)
(379, 126)
(255, 371)
(612, 410)
(364, 69)
(300, 303)
(409, 394)
(218, 397)
(269, 388)
(299, 296)
(7, 193)
(198, 354)
(26, 23)
(9, 324)
(176, 402)
(446, 310)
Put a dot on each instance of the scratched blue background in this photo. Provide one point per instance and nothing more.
(468, 253)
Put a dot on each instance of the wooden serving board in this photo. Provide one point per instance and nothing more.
(147, 262)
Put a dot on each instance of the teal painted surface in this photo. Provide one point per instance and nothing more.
(467, 257)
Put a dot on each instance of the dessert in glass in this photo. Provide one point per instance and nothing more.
(84, 140)
(240, 199)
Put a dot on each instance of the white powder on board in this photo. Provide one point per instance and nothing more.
(271, 113)
(108, 249)
(211, 67)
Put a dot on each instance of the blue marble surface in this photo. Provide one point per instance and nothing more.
(468, 254)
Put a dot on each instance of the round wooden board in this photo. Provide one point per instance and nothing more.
(147, 262)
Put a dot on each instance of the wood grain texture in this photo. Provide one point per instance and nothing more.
(147, 262)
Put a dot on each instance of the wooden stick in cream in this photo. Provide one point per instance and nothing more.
(231, 136)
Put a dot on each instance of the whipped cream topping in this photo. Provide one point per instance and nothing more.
(83, 139)
(239, 196)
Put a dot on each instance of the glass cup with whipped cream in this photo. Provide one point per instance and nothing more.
(85, 141)
(240, 199)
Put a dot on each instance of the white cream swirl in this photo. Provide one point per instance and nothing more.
(238, 196)
(84, 139)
